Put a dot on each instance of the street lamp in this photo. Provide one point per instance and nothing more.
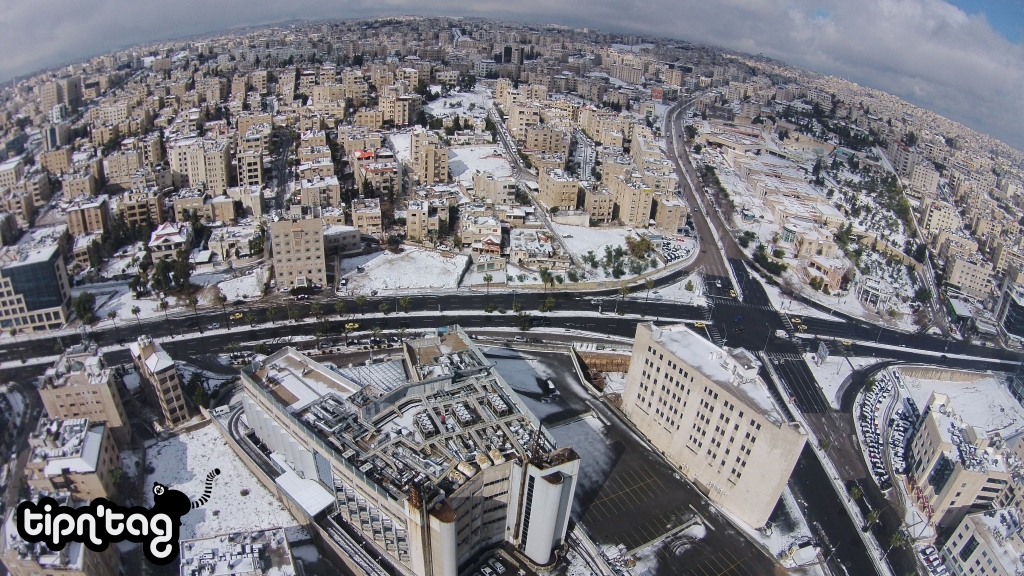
(767, 338)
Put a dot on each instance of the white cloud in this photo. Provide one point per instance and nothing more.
(927, 51)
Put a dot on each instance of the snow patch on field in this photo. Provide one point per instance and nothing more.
(182, 463)
(412, 269)
(473, 103)
(244, 287)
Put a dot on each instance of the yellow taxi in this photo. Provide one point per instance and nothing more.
(236, 316)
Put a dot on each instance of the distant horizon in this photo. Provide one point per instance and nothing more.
(944, 90)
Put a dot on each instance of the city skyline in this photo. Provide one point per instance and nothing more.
(946, 58)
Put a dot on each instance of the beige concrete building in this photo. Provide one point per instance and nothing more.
(141, 207)
(423, 219)
(520, 118)
(973, 278)
(923, 180)
(74, 455)
(366, 216)
(163, 385)
(196, 162)
(56, 161)
(940, 216)
(669, 213)
(82, 182)
(546, 138)
(986, 543)
(498, 190)
(88, 214)
(80, 385)
(320, 192)
(249, 166)
(599, 203)
(298, 251)
(10, 172)
(706, 409)
(557, 189)
(170, 237)
(633, 201)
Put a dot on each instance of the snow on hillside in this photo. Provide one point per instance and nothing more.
(238, 501)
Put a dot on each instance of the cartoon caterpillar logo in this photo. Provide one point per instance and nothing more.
(103, 522)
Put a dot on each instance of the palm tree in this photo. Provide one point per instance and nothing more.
(112, 316)
(871, 518)
(401, 334)
(135, 311)
(405, 301)
(294, 314)
(349, 328)
(316, 309)
(360, 301)
(272, 313)
(487, 280)
(546, 278)
(897, 540)
(623, 292)
(221, 299)
(250, 317)
(339, 307)
(193, 303)
(163, 308)
(376, 331)
(383, 307)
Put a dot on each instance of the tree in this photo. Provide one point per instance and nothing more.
(487, 280)
(872, 517)
(181, 270)
(294, 314)
(221, 299)
(689, 286)
(163, 308)
(339, 307)
(201, 397)
(405, 302)
(250, 318)
(112, 316)
(349, 328)
(316, 309)
(85, 307)
(272, 313)
(855, 492)
(546, 278)
(360, 301)
(383, 307)
(135, 312)
(623, 292)
(897, 540)
(262, 348)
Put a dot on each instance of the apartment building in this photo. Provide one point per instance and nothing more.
(633, 201)
(88, 214)
(1009, 313)
(298, 251)
(80, 182)
(198, 162)
(497, 190)
(429, 158)
(557, 189)
(669, 213)
(249, 166)
(57, 161)
(940, 216)
(519, 118)
(366, 216)
(547, 139)
(424, 217)
(141, 207)
(706, 409)
(923, 180)
(495, 490)
(599, 203)
(11, 171)
(320, 192)
(952, 468)
(973, 278)
(36, 294)
(163, 387)
(74, 455)
(80, 385)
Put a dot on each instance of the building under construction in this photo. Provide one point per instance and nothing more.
(432, 459)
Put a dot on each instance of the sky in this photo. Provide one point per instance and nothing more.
(964, 60)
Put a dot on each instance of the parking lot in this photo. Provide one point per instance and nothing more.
(678, 249)
(626, 494)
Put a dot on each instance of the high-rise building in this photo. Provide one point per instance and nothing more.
(197, 162)
(74, 455)
(711, 415)
(161, 375)
(298, 251)
(250, 168)
(1009, 313)
(989, 543)
(429, 157)
(36, 281)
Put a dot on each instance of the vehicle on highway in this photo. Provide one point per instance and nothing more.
(847, 343)
(214, 326)
(498, 567)
(699, 324)
(718, 283)
(801, 327)
(732, 293)
(796, 321)
(236, 316)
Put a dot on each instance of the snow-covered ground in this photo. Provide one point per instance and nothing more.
(238, 501)
(474, 103)
(985, 403)
(125, 261)
(677, 291)
(464, 161)
(833, 373)
(581, 241)
(614, 382)
(413, 269)
(787, 305)
(245, 287)
(213, 380)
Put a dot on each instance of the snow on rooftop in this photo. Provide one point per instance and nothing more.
(401, 143)
(182, 463)
(464, 161)
(985, 403)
